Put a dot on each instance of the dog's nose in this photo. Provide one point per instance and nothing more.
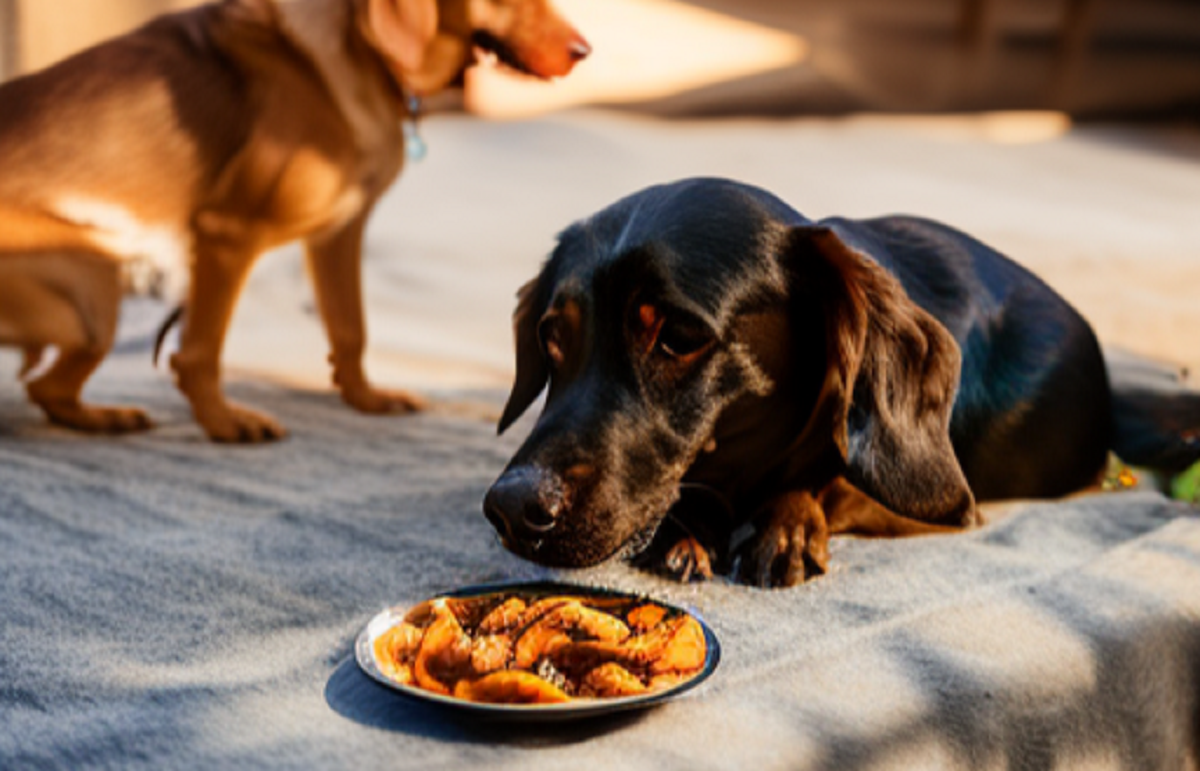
(523, 504)
(579, 49)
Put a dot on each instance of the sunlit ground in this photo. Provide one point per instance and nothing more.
(1001, 128)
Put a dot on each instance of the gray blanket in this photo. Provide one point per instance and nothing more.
(166, 603)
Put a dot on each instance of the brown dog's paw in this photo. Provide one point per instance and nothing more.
(792, 548)
(974, 518)
(99, 420)
(373, 401)
(237, 425)
(687, 561)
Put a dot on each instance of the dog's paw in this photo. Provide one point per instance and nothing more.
(374, 401)
(792, 548)
(974, 518)
(99, 420)
(687, 561)
(237, 425)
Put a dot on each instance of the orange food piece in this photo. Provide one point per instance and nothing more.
(542, 607)
(557, 627)
(465, 610)
(445, 652)
(504, 618)
(657, 651)
(611, 681)
(538, 642)
(595, 623)
(686, 650)
(490, 653)
(511, 687)
(636, 652)
(396, 649)
(643, 618)
(421, 615)
(613, 605)
(470, 610)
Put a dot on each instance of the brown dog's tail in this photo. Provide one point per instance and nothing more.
(1156, 417)
(175, 317)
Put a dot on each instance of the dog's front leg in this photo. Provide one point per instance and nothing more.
(851, 511)
(793, 544)
(219, 272)
(335, 263)
(677, 554)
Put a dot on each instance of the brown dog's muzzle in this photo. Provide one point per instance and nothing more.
(547, 49)
(560, 49)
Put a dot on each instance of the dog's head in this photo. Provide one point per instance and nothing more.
(428, 43)
(647, 325)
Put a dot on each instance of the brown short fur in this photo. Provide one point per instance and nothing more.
(229, 129)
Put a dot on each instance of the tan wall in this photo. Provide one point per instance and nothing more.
(35, 33)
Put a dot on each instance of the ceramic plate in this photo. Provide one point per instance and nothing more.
(572, 710)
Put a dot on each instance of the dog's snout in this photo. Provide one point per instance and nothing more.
(524, 503)
(579, 49)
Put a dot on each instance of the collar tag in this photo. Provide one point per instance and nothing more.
(414, 144)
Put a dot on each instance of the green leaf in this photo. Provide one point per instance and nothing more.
(1186, 486)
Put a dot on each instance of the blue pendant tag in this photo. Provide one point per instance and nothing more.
(414, 146)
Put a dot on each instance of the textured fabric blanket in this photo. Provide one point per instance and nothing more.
(166, 603)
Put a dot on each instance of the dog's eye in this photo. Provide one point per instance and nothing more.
(684, 341)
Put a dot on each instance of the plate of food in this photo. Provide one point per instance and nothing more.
(539, 651)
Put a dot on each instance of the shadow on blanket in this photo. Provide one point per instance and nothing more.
(1103, 725)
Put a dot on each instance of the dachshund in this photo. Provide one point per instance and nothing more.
(730, 384)
(208, 137)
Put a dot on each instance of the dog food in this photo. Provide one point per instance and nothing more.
(509, 649)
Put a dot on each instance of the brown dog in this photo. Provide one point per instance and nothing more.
(215, 135)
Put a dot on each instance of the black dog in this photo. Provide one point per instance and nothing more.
(705, 337)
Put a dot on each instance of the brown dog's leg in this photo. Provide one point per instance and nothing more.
(335, 261)
(217, 279)
(58, 394)
(850, 511)
(794, 545)
(688, 560)
(82, 325)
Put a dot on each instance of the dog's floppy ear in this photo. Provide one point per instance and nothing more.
(891, 380)
(533, 371)
(403, 29)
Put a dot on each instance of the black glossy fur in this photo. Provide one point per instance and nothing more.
(704, 335)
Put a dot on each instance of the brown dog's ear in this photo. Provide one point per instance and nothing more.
(532, 368)
(890, 383)
(404, 29)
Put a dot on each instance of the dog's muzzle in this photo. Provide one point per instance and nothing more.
(524, 505)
